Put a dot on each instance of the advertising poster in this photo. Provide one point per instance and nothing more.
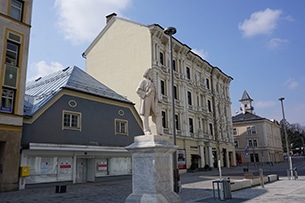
(102, 166)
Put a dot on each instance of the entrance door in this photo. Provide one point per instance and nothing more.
(81, 170)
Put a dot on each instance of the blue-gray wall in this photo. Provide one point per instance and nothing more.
(97, 124)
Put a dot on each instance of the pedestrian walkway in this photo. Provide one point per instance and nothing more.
(281, 191)
(193, 190)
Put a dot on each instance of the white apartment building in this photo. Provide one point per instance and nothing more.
(121, 53)
(257, 139)
(15, 25)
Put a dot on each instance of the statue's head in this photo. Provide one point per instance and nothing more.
(148, 73)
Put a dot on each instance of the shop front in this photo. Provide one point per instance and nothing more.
(73, 164)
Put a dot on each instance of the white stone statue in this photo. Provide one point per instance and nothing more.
(149, 104)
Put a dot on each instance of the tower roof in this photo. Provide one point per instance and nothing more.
(245, 97)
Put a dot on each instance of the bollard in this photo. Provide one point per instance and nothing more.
(261, 177)
(295, 173)
(288, 174)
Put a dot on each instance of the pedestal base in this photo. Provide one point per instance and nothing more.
(152, 170)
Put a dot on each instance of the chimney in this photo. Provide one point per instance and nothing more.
(109, 17)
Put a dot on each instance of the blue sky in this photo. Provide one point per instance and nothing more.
(258, 43)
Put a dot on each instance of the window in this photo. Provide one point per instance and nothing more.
(12, 51)
(7, 100)
(188, 73)
(254, 143)
(250, 144)
(163, 87)
(252, 157)
(191, 125)
(208, 83)
(177, 122)
(121, 127)
(236, 144)
(234, 131)
(164, 123)
(16, 9)
(174, 65)
(189, 98)
(175, 92)
(209, 106)
(71, 120)
(211, 128)
(161, 58)
(251, 130)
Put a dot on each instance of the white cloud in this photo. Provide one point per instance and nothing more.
(264, 104)
(276, 42)
(203, 54)
(260, 22)
(291, 83)
(81, 21)
(41, 68)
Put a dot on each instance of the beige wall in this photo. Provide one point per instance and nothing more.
(268, 136)
(120, 58)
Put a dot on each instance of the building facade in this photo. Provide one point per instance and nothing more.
(121, 53)
(257, 139)
(75, 129)
(15, 25)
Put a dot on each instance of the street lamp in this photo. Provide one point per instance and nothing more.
(170, 31)
(287, 146)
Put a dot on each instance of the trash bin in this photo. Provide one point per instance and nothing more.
(227, 189)
(223, 189)
(60, 188)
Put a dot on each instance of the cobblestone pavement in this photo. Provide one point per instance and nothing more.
(196, 187)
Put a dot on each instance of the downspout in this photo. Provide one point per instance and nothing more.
(215, 119)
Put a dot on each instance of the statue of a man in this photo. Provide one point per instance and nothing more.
(149, 103)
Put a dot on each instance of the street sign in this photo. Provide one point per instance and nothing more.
(247, 151)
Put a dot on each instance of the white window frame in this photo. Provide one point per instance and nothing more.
(7, 96)
(16, 9)
(121, 127)
(251, 130)
(71, 125)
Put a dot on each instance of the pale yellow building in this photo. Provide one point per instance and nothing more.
(15, 25)
(257, 139)
(121, 53)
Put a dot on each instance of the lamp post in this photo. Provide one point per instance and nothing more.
(287, 146)
(170, 31)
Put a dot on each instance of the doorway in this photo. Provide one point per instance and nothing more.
(81, 170)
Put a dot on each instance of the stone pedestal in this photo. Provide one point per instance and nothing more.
(152, 170)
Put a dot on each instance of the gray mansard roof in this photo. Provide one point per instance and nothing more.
(246, 117)
(41, 90)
